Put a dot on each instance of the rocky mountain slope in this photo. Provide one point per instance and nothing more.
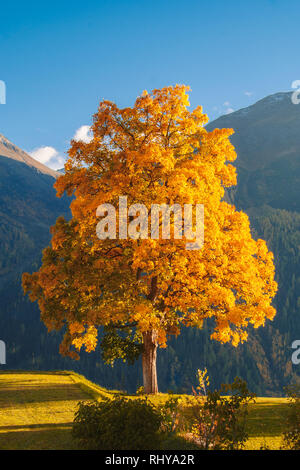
(9, 150)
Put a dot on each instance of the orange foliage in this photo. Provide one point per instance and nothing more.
(155, 152)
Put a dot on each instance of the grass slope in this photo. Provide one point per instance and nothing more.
(37, 410)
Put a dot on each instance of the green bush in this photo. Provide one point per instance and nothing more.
(170, 416)
(219, 417)
(140, 391)
(118, 424)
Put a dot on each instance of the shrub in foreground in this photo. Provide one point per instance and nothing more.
(219, 417)
(208, 420)
(119, 423)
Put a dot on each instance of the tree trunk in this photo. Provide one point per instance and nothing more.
(149, 362)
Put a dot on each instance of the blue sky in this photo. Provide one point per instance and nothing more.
(60, 58)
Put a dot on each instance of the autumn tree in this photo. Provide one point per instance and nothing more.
(156, 152)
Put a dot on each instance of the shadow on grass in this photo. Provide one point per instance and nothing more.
(90, 388)
(34, 426)
(36, 372)
(59, 437)
(267, 419)
(37, 437)
(15, 395)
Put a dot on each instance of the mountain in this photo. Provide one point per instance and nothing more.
(9, 150)
(267, 139)
(28, 207)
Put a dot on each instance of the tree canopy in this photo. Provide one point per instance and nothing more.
(156, 152)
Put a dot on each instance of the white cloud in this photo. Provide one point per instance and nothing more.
(248, 93)
(49, 156)
(228, 107)
(84, 134)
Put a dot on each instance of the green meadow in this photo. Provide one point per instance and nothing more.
(37, 410)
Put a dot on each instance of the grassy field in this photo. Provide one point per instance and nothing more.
(37, 410)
